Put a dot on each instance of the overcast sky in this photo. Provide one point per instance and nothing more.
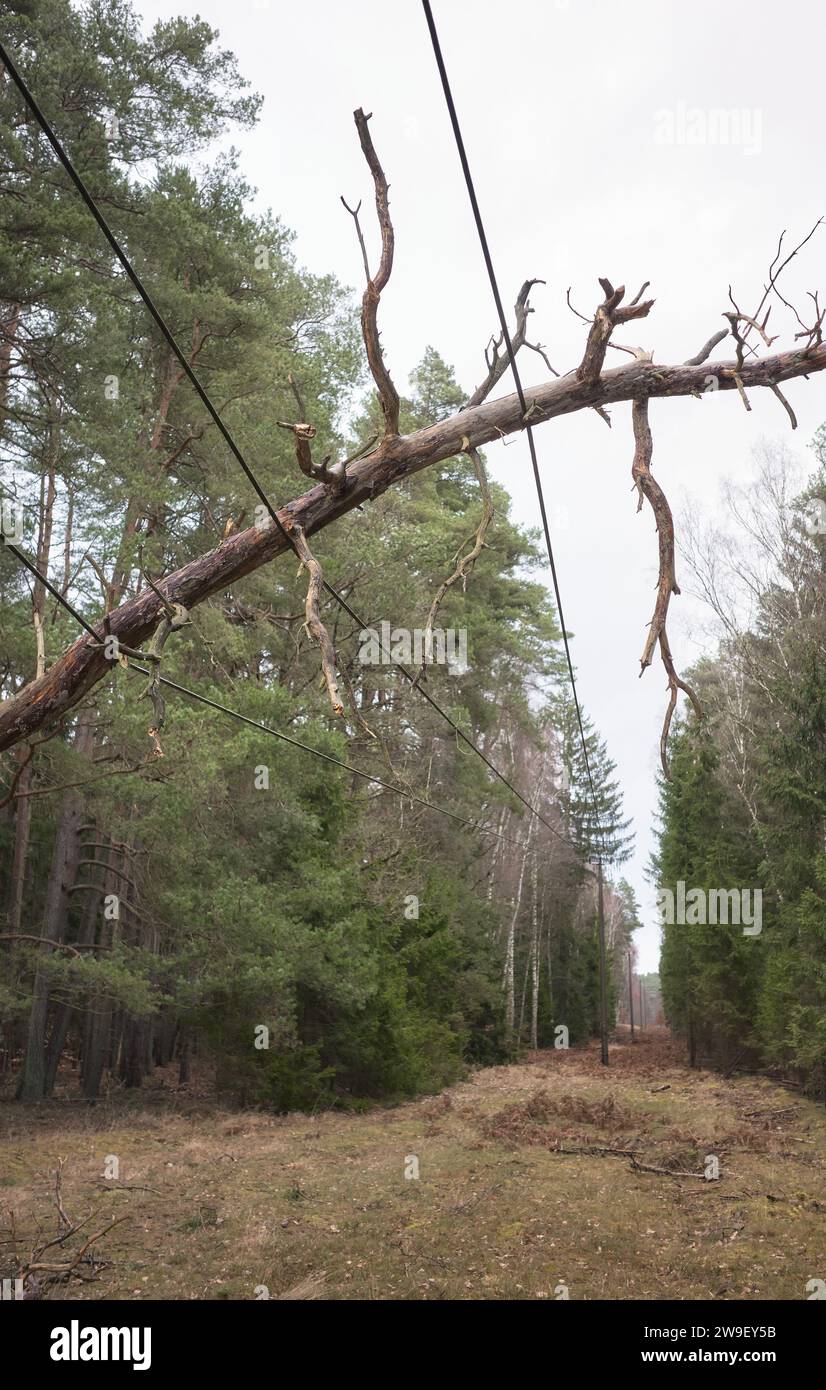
(592, 135)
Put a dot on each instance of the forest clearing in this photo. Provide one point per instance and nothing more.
(241, 1206)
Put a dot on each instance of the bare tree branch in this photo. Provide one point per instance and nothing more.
(388, 395)
(707, 348)
(175, 616)
(334, 476)
(85, 781)
(774, 275)
(302, 433)
(785, 405)
(315, 626)
(667, 585)
(498, 361)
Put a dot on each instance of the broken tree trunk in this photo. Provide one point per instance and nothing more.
(83, 665)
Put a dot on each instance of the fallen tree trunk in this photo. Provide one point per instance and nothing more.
(83, 665)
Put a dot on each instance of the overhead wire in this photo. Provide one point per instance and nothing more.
(486, 253)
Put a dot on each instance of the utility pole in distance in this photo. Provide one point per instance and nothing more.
(603, 981)
(631, 994)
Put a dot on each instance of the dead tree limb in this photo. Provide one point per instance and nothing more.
(609, 313)
(354, 706)
(37, 1272)
(466, 563)
(302, 434)
(315, 626)
(774, 275)
(707, 348)
(665, 1172)
(84, 781)
(65, 1221)
(63, 1269)
(649, 488)
(785, 404)
(175, 616)
(601, 1150)
(334, 476)
(388, 395)
(497, 361)
(110, 868)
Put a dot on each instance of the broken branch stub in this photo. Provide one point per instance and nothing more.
(608, 314)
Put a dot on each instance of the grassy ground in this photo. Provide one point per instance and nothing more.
(221, 1203)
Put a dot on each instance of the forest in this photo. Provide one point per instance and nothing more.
(746, 802)
(167, 898)
(181, 891)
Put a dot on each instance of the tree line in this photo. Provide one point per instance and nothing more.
(745, 808)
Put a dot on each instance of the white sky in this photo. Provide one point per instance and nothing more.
(562, 110)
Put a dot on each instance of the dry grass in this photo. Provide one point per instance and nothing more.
(221, 1204)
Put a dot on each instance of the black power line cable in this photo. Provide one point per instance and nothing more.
(480, 228)
(318, 753)
(192, 376)
(245, 719)
(33, 570)
(460, 145)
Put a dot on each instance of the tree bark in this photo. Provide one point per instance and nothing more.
(63, 1014)
(55, 917)
(96, 1042)
(22, 828)
(9, 324)
(183, 1064)
(510, 949)
(23, 816)
(133, 1057)
(534, 954)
